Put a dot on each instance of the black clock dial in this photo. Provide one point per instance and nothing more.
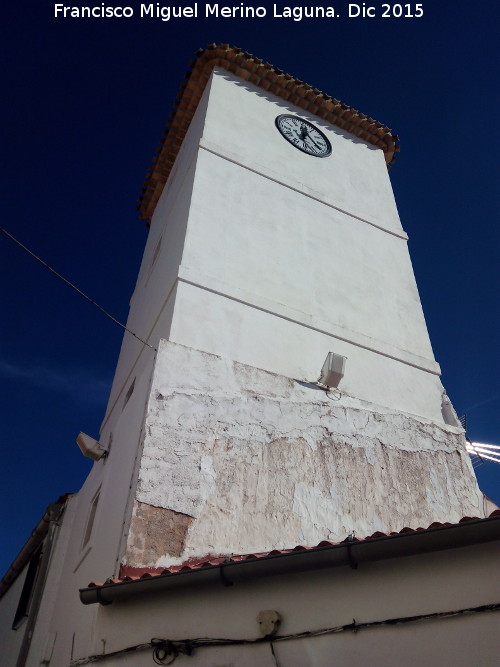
(303, 135)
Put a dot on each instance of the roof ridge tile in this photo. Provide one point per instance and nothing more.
(246, 66)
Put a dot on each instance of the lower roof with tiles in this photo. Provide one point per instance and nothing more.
(351, 551)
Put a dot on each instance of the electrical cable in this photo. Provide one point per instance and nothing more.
(274, 654)
(481, 403)
(74, 287)
(166, 651)
(333, 394)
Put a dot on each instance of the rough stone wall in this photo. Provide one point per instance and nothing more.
(238, 460)
(155, 530)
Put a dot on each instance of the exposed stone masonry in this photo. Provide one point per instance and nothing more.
(252, 461)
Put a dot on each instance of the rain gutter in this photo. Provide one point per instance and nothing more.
(352, 553)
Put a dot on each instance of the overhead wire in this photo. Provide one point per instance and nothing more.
(165, 651)
(74, 287)
(481, 403)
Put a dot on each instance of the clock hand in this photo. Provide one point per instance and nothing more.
(317, 145)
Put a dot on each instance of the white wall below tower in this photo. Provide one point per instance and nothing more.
(310, 601)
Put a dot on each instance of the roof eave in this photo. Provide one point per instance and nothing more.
(352, 553)
(52, 514)
(270, 78)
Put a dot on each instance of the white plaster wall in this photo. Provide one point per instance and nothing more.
(152, 300)
(259, 461)
(10, 640)
(74, 564)
(62, 620)
(427, 583)
(116, 478)
(62, 625)
(151, 312)
(264, 247)
(288, 256)
(261, 238)
(48, 631)
(297, 348)
(240, 125)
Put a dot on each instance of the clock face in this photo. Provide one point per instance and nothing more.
(303, 135)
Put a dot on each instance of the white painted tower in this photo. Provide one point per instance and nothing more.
(263, 256)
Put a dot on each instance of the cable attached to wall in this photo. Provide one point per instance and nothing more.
(74, 287)
(333, 394)
(166, 651)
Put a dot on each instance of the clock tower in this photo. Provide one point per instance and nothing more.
(274, 240)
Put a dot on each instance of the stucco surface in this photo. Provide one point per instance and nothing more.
(151, 302)
(240, 123)
(260, 461)
(9, 640)
(294, 250)
(282, 257)
(427, 583)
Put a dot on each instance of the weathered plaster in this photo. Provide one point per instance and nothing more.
(156, 530)
(260, 461)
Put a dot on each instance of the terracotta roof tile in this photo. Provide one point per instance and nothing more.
(129, 573)
(268, 77)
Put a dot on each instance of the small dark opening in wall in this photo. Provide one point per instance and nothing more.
(129, 393)
(90, 520)
(110, 442)
(23, 607)
(156, 251)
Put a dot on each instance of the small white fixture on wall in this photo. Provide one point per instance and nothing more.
(333, 370)
(90, 447)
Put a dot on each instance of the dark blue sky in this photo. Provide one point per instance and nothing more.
(85, 102)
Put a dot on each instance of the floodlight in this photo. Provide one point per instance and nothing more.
(333, 370)
(90, 447)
